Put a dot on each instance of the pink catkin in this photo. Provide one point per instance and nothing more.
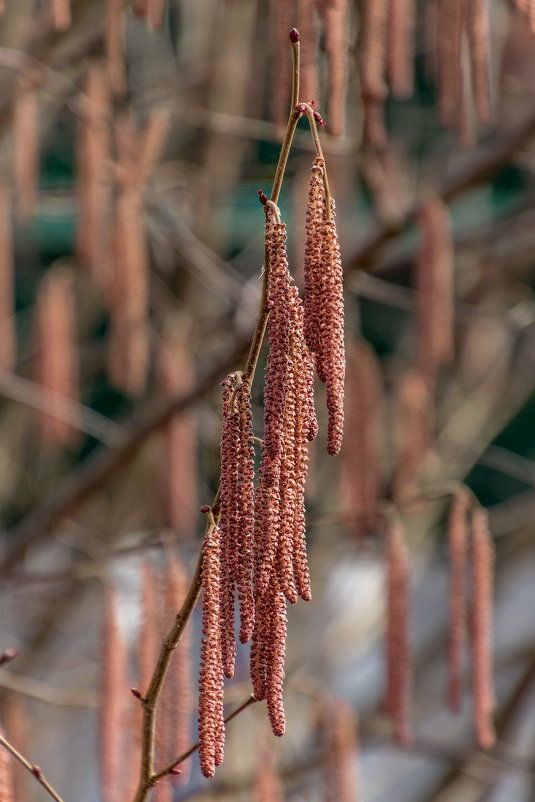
(458, 543)
(18, 727)
(434, 290)
(481, 634)
(113, 46)
(336, 26)
(267, 783)
(61, 14)
(7, 789)
(324, 304)
(400, 49)
(155, 13)
(307, 26)
(341, 747)
(174, 732)
(414, 425)
(397, 700)
(8, 337)
(478, 42)
(149, 634)
(26, 144)
(280, 24)
(114, 694)
(361, 457)
(57, 370)
(179, 475)
(211, 719)
(449, 20)
(372, 65)
(93, 236)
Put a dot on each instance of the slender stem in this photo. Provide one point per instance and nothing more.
(35, 771)
(290, 128)
(319, 152)
(168, 769)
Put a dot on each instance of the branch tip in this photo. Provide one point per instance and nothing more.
(7, 655)
(294, 36)
(262, 197)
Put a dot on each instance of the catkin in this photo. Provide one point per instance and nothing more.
(458, 544)
(61, 14)
(114, 690)
(8, 335)
(434, 290)
(267, 783)
(372, 65)
(179, 472)
(324, 303)
(26, 143)
(93, 236)
(57, 369)
(414, 429)
(7, 790)
(481, 615)
(211, 720)
(400, 47)
(336, 24)
(341, 748)
(397, 700)
(113, 46)
(361, 467)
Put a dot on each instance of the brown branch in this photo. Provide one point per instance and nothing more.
(94, 473)
(35, 771)
(169, 769)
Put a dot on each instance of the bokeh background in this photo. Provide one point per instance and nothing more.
(134, 193)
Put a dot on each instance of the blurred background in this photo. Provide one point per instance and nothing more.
(133, 140)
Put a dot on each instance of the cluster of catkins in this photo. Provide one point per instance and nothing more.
(256, 545)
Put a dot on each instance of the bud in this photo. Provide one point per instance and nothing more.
(136, 693)
(7, 655)
(294, 36)
(205, 508)
(262, 197)
(36, 771)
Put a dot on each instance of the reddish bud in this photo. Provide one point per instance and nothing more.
(36, 771)
(262, 197)
(175, 771)
(319, 119)
(205, 508)
(7, 655)
(294, 36)
(136, 693)
(301, 108)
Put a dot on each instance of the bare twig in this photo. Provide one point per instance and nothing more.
(35, 771)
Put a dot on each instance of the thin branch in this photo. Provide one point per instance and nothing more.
(169, 769)
(35, 771)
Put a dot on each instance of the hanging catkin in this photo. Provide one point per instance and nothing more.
(324, 302)
(7, 790)
(114, 693)
(267, 783)
(361, 468)
(458, 544)
(8, 335)
(341, 747)
(93, 236)
(307, 26)
(372, 65)
(179, 471)
(26, 143)
(400, 47)
(57, 369)
(397, 699)
(482, 559)
(113, 46)
(211, 720)
(173, 735)
(414, 423)
(61, 14)
(335, 14)
(434, 291)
